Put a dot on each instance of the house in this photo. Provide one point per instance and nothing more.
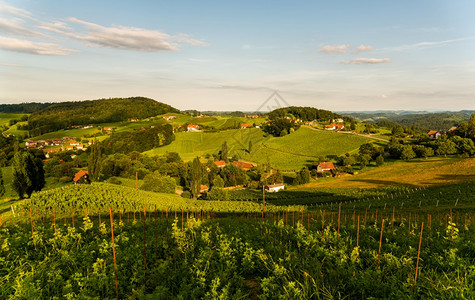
(338, 121)
(220, 163)
(334, 126)
(82, 177)
(453, 128)
(69, 148)
(325, 167)
(204, 189)
(246, 125)
(309, 123)
(434, 134)
(80, 147)
(133, 120)
(243, 164)
(168, 118)
(30, 143)
(192, 128)
(74, 143)
(273, 188)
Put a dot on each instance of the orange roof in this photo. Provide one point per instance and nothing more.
(243, 164)
(432, 132)
(327, 165)
(220, 163)
(192, 126)
(203, 188)
(246, 125)
(80, 174)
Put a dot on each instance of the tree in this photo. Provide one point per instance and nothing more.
(28, 174)
(446, 147)
(224, 152)
(250, 147)
(218, 194)
(196, 174)
(94, 163)
(158, 183)
(218, 182)
(471, 127)
(407, 152)
(379, 160)
(2, 187)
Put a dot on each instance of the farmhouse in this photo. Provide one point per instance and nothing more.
(275, 187)
(325, 167)
(168, 118)
(84, 175)
(220, 163)
(243, 164)
(192, 128)
(334, 126)
(246, 125)
(434, 134)
(204, 189)
(338, 120)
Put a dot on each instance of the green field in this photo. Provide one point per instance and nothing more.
(290, 152)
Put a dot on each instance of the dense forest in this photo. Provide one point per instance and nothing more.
(424, 120)
(64, 115)
(23, 108)
(139, 140)
(305, 113)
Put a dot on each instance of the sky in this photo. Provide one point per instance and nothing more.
(233, 55)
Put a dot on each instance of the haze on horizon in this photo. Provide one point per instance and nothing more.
(210, 55)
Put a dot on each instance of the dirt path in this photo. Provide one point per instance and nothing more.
(350, 132)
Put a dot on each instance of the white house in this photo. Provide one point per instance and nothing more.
(275, 187)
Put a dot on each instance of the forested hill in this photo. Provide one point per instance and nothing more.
(65, 114)
(23, 108)
(304, 113)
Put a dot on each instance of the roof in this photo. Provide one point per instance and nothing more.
(192, 126)
(220, 163)
(203, 188)
(246, 125)
(80, 174)
(453, 128)
(432, 132)
(243, 164)
(326, 165)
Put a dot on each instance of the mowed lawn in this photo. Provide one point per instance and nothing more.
(431, 172)
(306, 145)
(290, 152)
(192, 144)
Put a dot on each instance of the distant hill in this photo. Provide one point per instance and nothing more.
(304, 113)
(23, 108)
(425, 120)
(65, 114)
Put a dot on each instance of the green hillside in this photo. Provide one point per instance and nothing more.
(64, 115)
(290, 152)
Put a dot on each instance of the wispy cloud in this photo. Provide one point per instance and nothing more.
(38, 48)
(365, 61)
(92, 34)
(427, 44)
(334, 49)
(363, 48)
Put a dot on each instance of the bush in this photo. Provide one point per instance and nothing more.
(64, 179)
(158, 183)
(114, 180)
(218, 194)
(186, 194)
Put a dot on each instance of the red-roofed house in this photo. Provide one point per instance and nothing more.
(334, 127)
(325, 167)
(220, 163)
(204, 189)
(243, 164)
(84, 175)
(434, 134)
(246, 125)
(192, 128)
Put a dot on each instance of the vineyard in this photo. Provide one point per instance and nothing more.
(190, 255)
(105, 241)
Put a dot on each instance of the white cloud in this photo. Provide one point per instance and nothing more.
(121, 37)
(13, 27)
(25, 46)
(334, 49)
(362, 48)
(427, 44)
(186, 38)
(363, 61)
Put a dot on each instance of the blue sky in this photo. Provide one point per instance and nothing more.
(222, 55)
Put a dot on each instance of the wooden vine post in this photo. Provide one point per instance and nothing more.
(358, 235)
(418, 254)
(113, 253)
(144, 244)
(380, 240)
(339, 213)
